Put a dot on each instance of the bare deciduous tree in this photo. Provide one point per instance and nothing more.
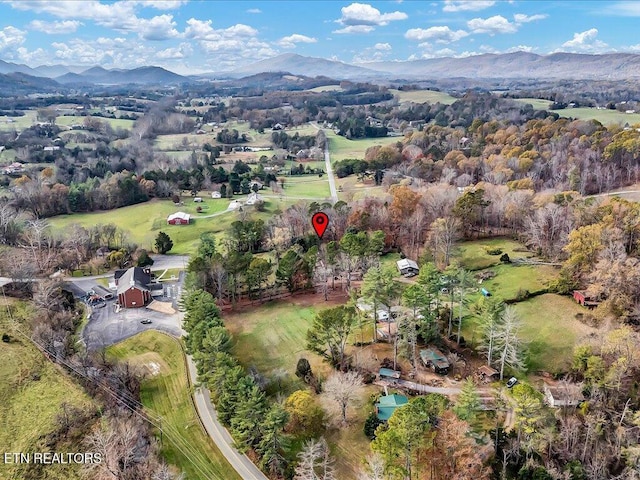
(343, 388)
(315, 462)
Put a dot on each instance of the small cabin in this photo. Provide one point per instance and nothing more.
(388, 404)
(389, 373)
(436, 360)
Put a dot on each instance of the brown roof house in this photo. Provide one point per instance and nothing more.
(133, 287)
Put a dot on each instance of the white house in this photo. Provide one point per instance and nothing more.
(408, 268)
(216, 194)
(253, 198)
(179, 218)
(235, 204)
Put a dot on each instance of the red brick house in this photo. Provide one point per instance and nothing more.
(179, 218)
(133, 287)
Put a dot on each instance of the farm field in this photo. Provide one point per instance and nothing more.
(352, 189)
(423, 96)
(145, 220)
(18, 123)
(341, 147)
(326, 88)
(511, 279)
(165, 392)
(307, 186)
(32, 391)
(604, 116)
(272, 338)
(68, 120)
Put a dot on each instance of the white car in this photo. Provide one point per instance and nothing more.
(511, 382)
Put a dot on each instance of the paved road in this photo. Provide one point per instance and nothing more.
(328, 167)
(220, 436)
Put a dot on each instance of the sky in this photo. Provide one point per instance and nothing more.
(196, 36)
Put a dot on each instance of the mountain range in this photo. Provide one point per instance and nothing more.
(518, 65)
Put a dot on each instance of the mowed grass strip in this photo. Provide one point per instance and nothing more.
(165, 392)
(307, 186)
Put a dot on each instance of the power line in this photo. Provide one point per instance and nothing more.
(120, 398)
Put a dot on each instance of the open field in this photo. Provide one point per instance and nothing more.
(326, 88)
(68, 120)
(423, 96)
(341, 147)
(604, 116)
(272, 337)
(7, 157)
(307, 186)
(511, 279)
(145, 220)
(472, 255)
(352, 189)
(17, 123)
(32, 391)
(165, 392)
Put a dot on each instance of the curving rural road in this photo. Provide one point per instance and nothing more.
(220, 436)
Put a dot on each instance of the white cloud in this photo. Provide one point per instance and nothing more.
(10, 39)
(291, 40)
(376, 53)
(625, 8)
(162, 4)
(466, 5)
(55, 28)
(355, 29)
(442, 34)
(33, 57)
(521, 48)
(119, 16)
(383, 47)
(254, 10)
(522, 18)
(586, 41)
(362, 18)
(184, 50)
(492, 25)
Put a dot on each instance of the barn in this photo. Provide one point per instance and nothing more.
(581, 297)
(179, 218)
(132, 287)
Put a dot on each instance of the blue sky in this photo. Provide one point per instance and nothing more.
(207, 35)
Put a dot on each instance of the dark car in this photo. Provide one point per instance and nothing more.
(146, 321)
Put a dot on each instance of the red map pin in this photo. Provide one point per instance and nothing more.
(320, 222)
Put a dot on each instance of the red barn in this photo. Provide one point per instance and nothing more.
(581, 297)
(179, 218)
(133, 287)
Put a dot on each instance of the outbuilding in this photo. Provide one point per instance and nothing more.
(408, 268)
(433, 358)
(388, 404)
(563, 394)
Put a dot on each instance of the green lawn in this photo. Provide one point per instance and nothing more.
(423, 96)
(307, 186)
(145, 220)
(604, 116)
(32, 391)
(166, 394)
(472, 255)
(272, 337)
(341, 147)
(511, 278)
(8, 156)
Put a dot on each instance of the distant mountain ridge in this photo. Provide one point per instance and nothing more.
(610, 66)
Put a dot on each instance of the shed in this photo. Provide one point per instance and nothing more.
(388, 373)
(179, 218)
(216, 194)
(133, 287)
(581, 297)
(435, 359)
(388, 404)
(487, 374)
(408, 268)
(564, 394)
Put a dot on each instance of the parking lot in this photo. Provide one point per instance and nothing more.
(106, 326)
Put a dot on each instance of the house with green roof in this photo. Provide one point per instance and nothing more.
(388, 404)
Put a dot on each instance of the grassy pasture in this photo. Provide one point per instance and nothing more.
(166, 394)
(32, 391)
(341, 147)
(510, 279)
(352, 189)
(423, 96)
(604, 116)
(68, 120)
(307, 186)
(19, 123)
(472, 255)
(326, 88)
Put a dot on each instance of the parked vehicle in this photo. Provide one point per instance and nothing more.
(511, 382)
